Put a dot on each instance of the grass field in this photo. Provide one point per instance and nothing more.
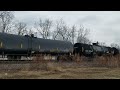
(65, 73)
(105, 68)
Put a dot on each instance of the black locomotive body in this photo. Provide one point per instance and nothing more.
(94, 50)
(97, 50)
(83, 49)
(115, 51)
(16, 45)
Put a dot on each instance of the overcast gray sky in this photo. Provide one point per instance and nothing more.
(104, 25)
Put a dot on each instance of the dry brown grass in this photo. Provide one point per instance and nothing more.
(80, 68)
(99, 61)
(103, 61)
(66, 73)
(107, 61)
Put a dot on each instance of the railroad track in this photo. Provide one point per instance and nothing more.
(22, 61)
(15, 61)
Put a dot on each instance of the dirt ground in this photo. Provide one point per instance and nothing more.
(62, 71)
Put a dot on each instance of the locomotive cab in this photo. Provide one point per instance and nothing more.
(83, 49)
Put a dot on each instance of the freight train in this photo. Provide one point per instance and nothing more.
(15, 46)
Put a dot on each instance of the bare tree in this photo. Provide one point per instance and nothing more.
(30, 32)
(43, 27)
(82, 35)
(115, 45)
(54, 35)
(73, 34)
(102, 44)
(20, 28)
(6, 18)
(58, 28)
(62, 31)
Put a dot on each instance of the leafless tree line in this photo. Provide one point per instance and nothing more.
(46, 28)
(6, 18)
(43, 27)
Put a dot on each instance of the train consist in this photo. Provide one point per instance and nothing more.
(15, 46)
